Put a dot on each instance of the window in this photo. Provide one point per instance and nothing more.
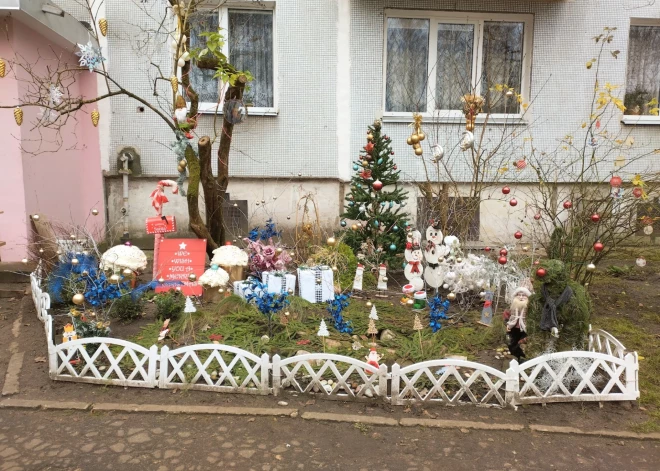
(433, 59)
(643, 76)
(249, 46)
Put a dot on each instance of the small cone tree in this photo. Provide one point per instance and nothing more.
(376, 199)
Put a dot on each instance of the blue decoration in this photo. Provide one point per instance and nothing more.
(355, 167)
(376, 223)
(343, 224)
(90, 56)
(380, 161)
(335, 309)
(268, 304)
(101, 290)
(393, 247)
(438, 312)
(382, 204)
(264, 234)
(391, 204)
(395, 228)
(359, 185)
(351, 203)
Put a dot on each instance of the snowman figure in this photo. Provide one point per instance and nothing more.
(414, 269)
(432, 272)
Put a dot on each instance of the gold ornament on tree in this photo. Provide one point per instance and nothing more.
(103, 26)
(417, 136)
(175, 83)
(3, 69)
(471, 108)
(417, 325)
(95, 117)
(18, 115)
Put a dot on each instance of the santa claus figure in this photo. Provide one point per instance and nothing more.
(373, 358)
(515, 318)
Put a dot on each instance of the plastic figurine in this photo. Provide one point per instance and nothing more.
(515, 318)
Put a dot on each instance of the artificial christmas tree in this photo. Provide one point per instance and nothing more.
(376, 199)
(189, 307)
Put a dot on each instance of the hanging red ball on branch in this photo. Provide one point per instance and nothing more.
(616, 181)
(595, 217)
(504, 252)
(502, 260)
(487, 249)
(518, 235)
(540, 273)
(598, 246)
(378, 185)
(513, 202)
(520, 164)
(568, 205)
(637, 192)
(506, 190)
(537, 216)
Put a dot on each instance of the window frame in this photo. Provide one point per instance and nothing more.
(223, 22)
(478, 19)
(639, 119)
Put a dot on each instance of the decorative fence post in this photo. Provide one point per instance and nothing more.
(632, 373)
(265, 366)
(277, 384)
(382, 380)
(395, 382)
(153, 366)
(512, 383)
(164, 364)
(52, 353)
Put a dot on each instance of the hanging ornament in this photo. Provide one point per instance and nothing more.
(537, 216)
(376, 223)
(95, 117)
(103, 26)
(451, 296)
(506, 190)
(174, 81)
(487, 249)
(380, 161)
(394, 167)
(377, 185)
(392, 247)
(438, 152)
(355, 167)
(641, 262)
(354, 227)
(395, 228)
(568, 205)
(541, 272)
(616, 181)
(370, 137)
(467, 141)
(513, 202)
(369, 147)
(95, 212)
(343, 224)
(598, 246)
(417, 135)
(648, 230)
(504, 252)
(18, 115)
(595, 217)
(471, 108)
(502, 260)
(591, 267)
(520, 164)
(78, 299)
(2, 68)
(331, 241)
(637, 192)
(518, 235)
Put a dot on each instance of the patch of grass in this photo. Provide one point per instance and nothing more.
(619, 271)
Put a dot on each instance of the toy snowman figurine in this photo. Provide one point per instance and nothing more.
(373, 358)
(433, 251)
(414, 256)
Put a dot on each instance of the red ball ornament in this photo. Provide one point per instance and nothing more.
(568, 205)
(518, 235)
(502, 260)
(537, 216)
(520, 164)
(394, 167)
(487, 249)
(616, 181)
(598, 246)
(506, 190)
(536, 262)
(595, 217)
(504, 252)
(540, 273)
(637, 192)
(378, 185)
(513, 202)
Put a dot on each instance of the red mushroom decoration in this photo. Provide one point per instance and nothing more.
(541, 272)
(598, 246)
(518, 235)
(506, 190)
(502, 260)
(513, 202)
(568, 205)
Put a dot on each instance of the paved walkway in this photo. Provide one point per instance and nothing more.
(69, 440)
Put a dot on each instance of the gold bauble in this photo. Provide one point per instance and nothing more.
(183, 163)
(75, 261)
(25, 260)
(591, 267)
(421, 136)
(95, 117)
(354, 227)
(459, 260)
(181, 169)
(370, 137)
(18, 115)
(73, 236)
(2, 68)
(78, 299)
(525, 248)
(221, 290)
(161, 280)
(290, 291)
(103, 26)
(279, 250)
(35, 217)
(410, 302)
(334, 268)
(369, 304)
(192, 277)
(85, 273)
(174, 81)
(41, 250)
(95, 212)
(414, 138)
(292, 254)
(409, 141)
(469, 126)
(331, 241)
(419, 151)
(451, 296)
(115, 278)
(127, 272)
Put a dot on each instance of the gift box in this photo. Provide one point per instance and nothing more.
(316, 284)
(242, 288)
(278, 282)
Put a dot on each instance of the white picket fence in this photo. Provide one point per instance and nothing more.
(607, 372)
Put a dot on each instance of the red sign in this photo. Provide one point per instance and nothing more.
(161, 225)
(179, 258)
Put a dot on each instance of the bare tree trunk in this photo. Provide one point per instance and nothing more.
(195, 219)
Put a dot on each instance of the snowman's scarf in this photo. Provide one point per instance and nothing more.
(549, 313)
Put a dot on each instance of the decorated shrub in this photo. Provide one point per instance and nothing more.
(169, 305)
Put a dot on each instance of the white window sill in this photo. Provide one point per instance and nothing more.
(212, 108)
(455, 118)
(636, 119)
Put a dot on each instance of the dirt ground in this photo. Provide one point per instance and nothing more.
(625, 305)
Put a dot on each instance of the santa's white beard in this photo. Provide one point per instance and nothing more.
(519, 306)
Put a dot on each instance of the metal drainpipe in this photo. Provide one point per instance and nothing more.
(125, 158)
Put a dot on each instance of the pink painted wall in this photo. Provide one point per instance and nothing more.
(61, 171)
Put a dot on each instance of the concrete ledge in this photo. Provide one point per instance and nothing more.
(595, 433)
(55, 405)
(20, 404)
(350, 418)
(460, 424)
(213, 410)
(11, 376)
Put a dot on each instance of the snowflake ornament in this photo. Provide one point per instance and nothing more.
(90, 56)
(55, 95)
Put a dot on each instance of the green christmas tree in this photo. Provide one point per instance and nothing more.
(376, 200)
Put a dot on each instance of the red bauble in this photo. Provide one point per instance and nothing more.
(540, 273)
(637, 192)
(506, 190)
(537, 216)
(487, 249)
(513, 202)
(568, 205)
(518, 235)
(504, 252)
(378, 185)
(520, 164)
(616, 181)
(502, 260)
(394, 167)
(595, 217)
(598, 246)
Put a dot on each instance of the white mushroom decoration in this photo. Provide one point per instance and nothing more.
(124, 256)
(214, 277)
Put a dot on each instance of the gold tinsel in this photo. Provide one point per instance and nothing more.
(2, 68)
(103, 26)
(175, 83)
(95, 117)
(18, 115)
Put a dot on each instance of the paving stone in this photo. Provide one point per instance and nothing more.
(141, 437)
